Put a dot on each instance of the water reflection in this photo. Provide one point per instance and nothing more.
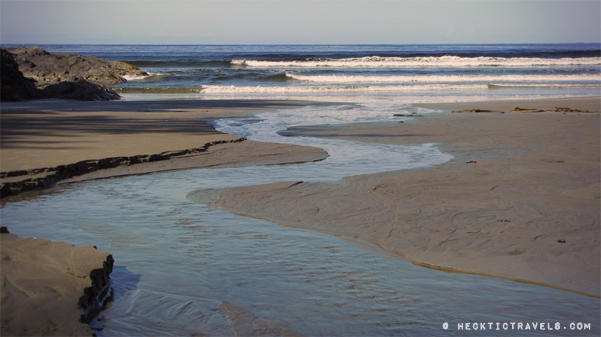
(183, 260)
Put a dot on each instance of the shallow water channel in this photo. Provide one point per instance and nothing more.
(177, 260)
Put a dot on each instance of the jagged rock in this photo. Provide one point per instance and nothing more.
(62, 75)
(47, 68)
(15, 86)
(81, 90)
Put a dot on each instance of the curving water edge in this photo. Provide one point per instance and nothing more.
(177, 261)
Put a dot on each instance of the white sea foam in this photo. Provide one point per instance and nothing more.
(446, 78)
(135, 77)
(216, 89)
(346, 157)
(414, 62)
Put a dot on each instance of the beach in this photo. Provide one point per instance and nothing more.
(314, 189)
(51, 288)
(38, 137)
(519, 200)
(43, 144)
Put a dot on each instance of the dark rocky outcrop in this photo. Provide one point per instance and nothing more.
(62, 75)
(15, 86)
(81, 90)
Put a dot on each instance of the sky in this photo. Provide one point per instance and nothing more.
(298, 22)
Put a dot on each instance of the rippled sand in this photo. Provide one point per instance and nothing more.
(520, 200)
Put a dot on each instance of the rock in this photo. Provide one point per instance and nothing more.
(559, 109)
(125, 69)
(47, 68)
(407, 115)
(81, 90)
(62, 75)
(472, 110)
(526, 110)
(15, 86)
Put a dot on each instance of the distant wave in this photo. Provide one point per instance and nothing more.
(187, 63)
(231, 89)
(157, 90)
(446, 78)
(404, 62)
(543, 85)
(213, 89)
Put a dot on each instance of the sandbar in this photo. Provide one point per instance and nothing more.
(519, 200)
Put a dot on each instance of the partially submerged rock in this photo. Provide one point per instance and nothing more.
(51, 288)
(526, 110)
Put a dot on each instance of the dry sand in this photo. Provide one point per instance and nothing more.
(520, 200)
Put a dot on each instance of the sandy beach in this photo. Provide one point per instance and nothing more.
(48, 287)
(520, 199)
(46, 142)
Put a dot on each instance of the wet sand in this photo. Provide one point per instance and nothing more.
(44, 143)
(520, 200)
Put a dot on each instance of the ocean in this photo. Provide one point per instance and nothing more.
(400, 73)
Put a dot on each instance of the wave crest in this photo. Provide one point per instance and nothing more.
(428, 61)
(445, 78)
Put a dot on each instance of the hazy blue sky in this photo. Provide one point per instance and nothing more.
(298, 21)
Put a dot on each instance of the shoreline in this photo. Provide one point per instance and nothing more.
(455, 217)
(520, 200)
(581, 103)
(47, 142)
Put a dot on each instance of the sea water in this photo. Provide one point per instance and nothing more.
(403, 73)
(177, 260)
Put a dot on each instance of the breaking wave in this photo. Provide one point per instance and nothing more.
(414, 62)
(445, 78)
(215, 89)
